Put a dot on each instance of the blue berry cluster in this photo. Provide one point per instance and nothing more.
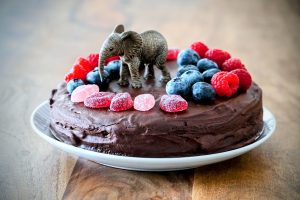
(193, 77)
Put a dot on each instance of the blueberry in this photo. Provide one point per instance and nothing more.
(178, 86)
(203, 92)
(186, 68)
(73, 84)
(191, 77)
(208, 74)
(205, 64)
(93, 77)
(113, 68)
(187, 57)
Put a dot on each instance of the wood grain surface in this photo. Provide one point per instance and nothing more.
(39, 41)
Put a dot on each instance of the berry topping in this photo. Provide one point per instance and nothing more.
(113, 69)
(232, 64)
(191, 77)
(173, 103)
(178, 86)
(200, 48)
(93, 58)
(84, 63)
(82, 92)
(208, 74)
(99, 100)
(186, 68)
(217, 55)
(120, 102)
(79, 72)
(203, 92)
(112, 59)
(172, 54)
(73, 84)
(205, 64)
(244, 77)
(144, 102)
(93, 77)
(187, 57)
(225, 83)
(69, 77)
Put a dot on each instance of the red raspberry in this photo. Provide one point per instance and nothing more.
(173, 103)
(217, 55)
(200, 48)
(99, 100)
(69, 77)
(93, 58)
(172, 54)
(225, 83)
(232, 64)
(84, 63)
(112, 59)
(79, 72)
(245, 79)
(120, 102)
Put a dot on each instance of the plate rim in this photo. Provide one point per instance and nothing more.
(158, 160)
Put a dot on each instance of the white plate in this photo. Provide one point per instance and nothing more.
(40, 121)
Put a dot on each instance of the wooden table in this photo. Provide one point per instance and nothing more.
(39, 41)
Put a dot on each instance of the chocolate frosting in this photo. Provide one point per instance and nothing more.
(223, 125)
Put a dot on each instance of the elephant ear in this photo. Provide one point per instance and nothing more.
(132, 43)
(119, 29)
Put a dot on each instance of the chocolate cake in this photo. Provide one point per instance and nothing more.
(222, 125)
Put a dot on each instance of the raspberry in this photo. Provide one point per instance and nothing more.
(172, 54)
(225, 83)
(232, 64)
(244, 77)
(144, 102)
(99, 100)
(112, 59)
(93, 58)
(200, 48)
(82, 92)
(120, 102)
(84, 63)
(217, 55)
(69, 77)
(79, 72)
(173, 103)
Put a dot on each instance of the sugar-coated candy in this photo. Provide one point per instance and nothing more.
(99, 100)
(82, 92)
(173, 103)
(121, 102)
(144, 102)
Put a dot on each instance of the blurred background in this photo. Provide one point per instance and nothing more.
(40, 40)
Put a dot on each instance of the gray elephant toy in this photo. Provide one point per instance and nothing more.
(148, 48)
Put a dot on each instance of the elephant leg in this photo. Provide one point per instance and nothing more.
(149, 72)
(161, 65)
(134, 73)
(124, 73)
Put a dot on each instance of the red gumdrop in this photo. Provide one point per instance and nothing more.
(172, 54)
(173, 103)
(121, 102)
(99, 100)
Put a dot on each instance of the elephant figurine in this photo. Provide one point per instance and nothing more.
(148, 48)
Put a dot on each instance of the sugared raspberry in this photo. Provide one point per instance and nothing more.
(93, 58)
(99, 100)
(225, 83)
(112, 59)
(79, 72)
(84, 63)
(172, 54)
(82, 92)
(200, 48)
(232, 64)
(217, 55)
(120, 102)
(173, 103)
(245, 79)
(68, 77)
(144, 102)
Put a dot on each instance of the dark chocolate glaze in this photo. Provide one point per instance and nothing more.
(223, 125)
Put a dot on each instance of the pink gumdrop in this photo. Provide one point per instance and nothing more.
(144, 102)
(173, 103)
(82, 92)
(99, 100)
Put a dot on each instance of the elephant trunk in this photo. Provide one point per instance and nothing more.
(101, 62)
